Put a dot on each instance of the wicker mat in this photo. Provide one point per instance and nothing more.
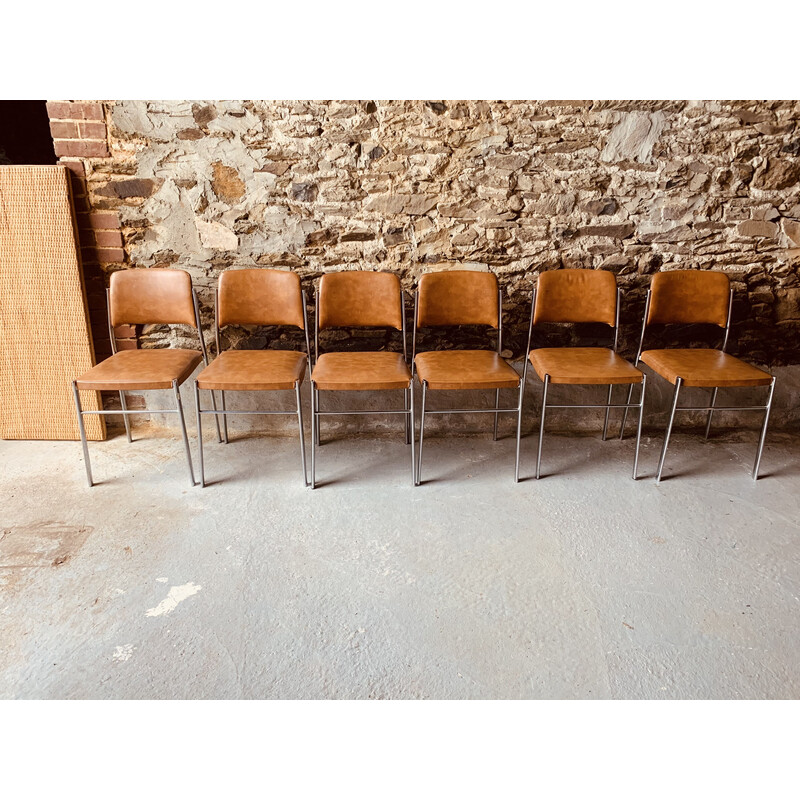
(45, 338)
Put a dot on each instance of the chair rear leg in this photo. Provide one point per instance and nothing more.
(519, 428)
(625, 413)
(200, 433)
(216, 416)
(183, 430)
(421, 432)
(667, 433)
(125, 415)
(302, 434)
(711, 410)
(608, 410)
(639, 429)
(541, 426)
(496, 415)
(405, 406)
(313, 435)
(763, 431)
(224, 418)
(83, 434)
(411, 425)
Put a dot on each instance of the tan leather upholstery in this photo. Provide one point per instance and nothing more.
(253, 370)
(689, 295)
(465, 369)
(583, 365)
(360, 299)
(151, 297)
(576, 295)
(360, 371)
(141, 369)
(260, 297)
(702, 367)
(457, 297)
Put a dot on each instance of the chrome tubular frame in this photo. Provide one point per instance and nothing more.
(225, 413)
(496, 410)
(712, 407)
(636, 362)
(408, 399)
(125, 411)
(608, 405)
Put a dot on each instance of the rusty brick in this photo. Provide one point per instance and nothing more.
(90, 130)
(125, 331)
(65, 110)
(108, 238)
(63, 130)
(76, 168)
(92, 110)
(81, 148)
(127, 344)
(111, 255)
(104, 220)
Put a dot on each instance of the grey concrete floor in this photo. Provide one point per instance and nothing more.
(584, 584)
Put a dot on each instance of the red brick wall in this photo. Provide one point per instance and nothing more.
(80, 134)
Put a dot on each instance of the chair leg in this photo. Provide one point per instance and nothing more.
(216, 416)
(678, 383)
(608, 410)
(410, 424)
(405, 406)
(519, 428)
(496, 415)
(639, 429)
(224, 418)
(541, 426)
(125, 415)
(421, 432)
(302, 435)
(183, 430)
(200, 433)
(625, 414)
(763, 431)
(83, 434)
(314, 416)
(711, 410)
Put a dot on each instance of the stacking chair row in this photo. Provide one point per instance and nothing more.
(369, 299)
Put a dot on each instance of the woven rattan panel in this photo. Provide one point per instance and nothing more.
(45, 338)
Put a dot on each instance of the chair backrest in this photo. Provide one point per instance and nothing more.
(260, 297)
(151, 297)
(458, 297)
(576, 295)
(689, 296)
(360, 299)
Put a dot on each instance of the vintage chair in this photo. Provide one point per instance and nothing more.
(698, 296)
(255, 297)
(360, 299)
(463, 297)
(142, 297)
(580, 296)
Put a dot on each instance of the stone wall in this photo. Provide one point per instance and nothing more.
(515, 187)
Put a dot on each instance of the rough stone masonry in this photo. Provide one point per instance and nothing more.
(516, 187)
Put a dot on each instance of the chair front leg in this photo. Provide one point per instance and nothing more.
(519, 426)
(639, 429)
(410, 423)
(763, 431)
(83, 434)
(314, 416)
(608, 410)
(711, 410)
(179, 409)
(200, 433)
(678, 383)
(302, 435)
(405, 407)
(224, 418)
(496, 415)
(625, 413)
(421, 432)
(541, 426)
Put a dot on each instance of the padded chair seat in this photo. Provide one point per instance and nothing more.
(705, 368)
(465, 369)
(361, 371)
(253, 370)
(141, 369)
(583, 365)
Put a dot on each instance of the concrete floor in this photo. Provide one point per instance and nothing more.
(581, 585)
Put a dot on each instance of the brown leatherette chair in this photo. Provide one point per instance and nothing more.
(463, 297)
(699, 296)
(360, 299)
(581, 296)
(145, 297)
(255, 297)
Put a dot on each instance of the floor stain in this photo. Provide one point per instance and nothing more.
(41, 544)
